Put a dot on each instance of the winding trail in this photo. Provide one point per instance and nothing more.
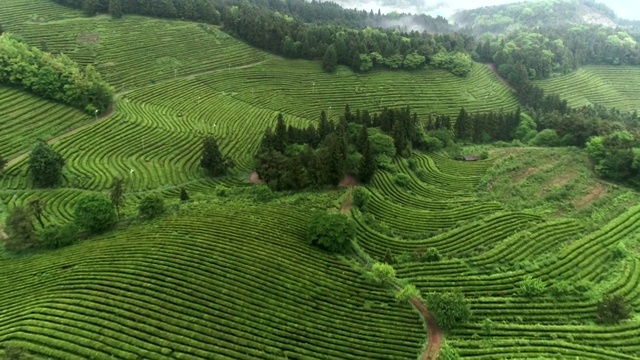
(113, 108)
(434, 333)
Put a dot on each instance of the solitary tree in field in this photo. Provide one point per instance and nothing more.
(151, 206)
(37, 208)
(332, 232)
(117, 194)
(95, 214)
(45, 165)
(450, 309)
(212, 160)
(20, 231)
(330, 60)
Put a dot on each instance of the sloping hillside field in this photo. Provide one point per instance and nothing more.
(529, 237)
(610, 86)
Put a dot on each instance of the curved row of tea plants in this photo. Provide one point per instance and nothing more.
(235, 281)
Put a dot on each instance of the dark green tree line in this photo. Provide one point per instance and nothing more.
(54, 77)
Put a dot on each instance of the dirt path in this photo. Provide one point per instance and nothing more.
(493, 69)
(434, 334)
(255, 179)
(347, 204)
(112, 110)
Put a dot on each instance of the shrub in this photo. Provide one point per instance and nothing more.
(151, 206)
(184, 196)
(361, 198)
(332, 232)
(19, 226)
(484, 155)
(432, 255)
(450, 309)
(58, 236)
(407, 292)
(383, 273)
(447, 352)
(612, 309)
(95, 214)
(561, 289)
(530, 287)
(402, 180)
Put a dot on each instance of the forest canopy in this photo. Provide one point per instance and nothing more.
(54, 77)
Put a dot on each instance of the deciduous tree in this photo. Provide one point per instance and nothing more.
(151, 206)
(45, 165)
(450, 309)
(612, 309)
(332, 232)
(95, 214)
(20, 231)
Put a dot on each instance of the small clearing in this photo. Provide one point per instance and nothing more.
(255, 179)
(594, 194)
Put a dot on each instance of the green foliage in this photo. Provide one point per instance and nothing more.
(406, 293)
(450, 309)
(487, 326)
(613, 309)
(16, 353)
(382, 144)
(413, 61)
(361, 198)
(332, 232)
(447, 352)
(151, 206)
(458, 63)
(562, 288)
(117, 194)
(45, 166)
(184, 196)
(330, 59)
(546, 137)
(531, 287)
(402, 180)
(20, 232)
(54, 77)
(212, 160)
(432, 255)
(58, 236)
(3, 163)
(37, 208)
(381, 273)
(95, 214)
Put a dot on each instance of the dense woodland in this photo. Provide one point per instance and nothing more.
(54, 77)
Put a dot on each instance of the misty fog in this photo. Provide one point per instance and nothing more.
(446, 8)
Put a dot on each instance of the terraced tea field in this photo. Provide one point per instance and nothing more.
(611, 86)
(233, 278)
(25, 118)
(227, 281)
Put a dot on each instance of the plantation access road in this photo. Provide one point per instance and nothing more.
(18, 158)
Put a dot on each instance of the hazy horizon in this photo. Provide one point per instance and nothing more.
(446, 9)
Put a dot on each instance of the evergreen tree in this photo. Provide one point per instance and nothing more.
(330, 60)
(464, 125)
(324, 128)
(332, 160)
(399, 137)
(212, 160)
(117, 194)
(362, 139)
(115, 9)
(45, 165)
(368, 165)
(281, 137)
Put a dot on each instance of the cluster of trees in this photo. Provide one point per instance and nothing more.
(332, 232)
(54, 77)
(504, 18)
(196, 10)
(290, 158)
(360, 49)
(537, 54)
(616, 156)
(93, 214)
